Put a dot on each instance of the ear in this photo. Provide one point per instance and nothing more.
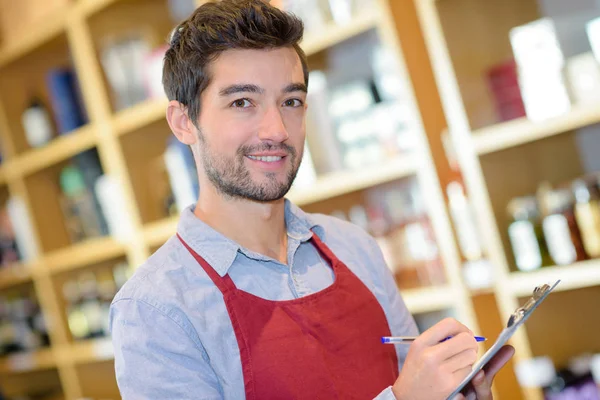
(180, 123)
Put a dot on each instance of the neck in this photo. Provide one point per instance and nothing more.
(259, 227)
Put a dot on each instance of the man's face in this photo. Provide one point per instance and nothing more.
(251, 124)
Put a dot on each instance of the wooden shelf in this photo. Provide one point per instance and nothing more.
(59, 149)
(580, 275)
(27, 362)
(32, 38)
(88, 252)
(14, 275)
(88, 351)
(344, 182)
(521, 131)
(157, 233)
(139, 116)
(334, 34)
(90, 7)
(429, 299)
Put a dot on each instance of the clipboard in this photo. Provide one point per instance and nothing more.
(517, 319)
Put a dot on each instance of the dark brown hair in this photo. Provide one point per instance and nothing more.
(218, 26)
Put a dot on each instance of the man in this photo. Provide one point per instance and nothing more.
(254, 298)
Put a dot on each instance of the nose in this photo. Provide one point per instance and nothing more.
(272, 126)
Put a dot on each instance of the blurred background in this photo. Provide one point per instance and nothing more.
(462, 134)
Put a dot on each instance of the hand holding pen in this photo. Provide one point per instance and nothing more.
(435, 365)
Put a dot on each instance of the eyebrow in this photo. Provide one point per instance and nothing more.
(250, 88)
(295, 87)
(243, 88)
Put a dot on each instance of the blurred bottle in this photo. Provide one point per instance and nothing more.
(476, 268)
(91, 305)
(587, 213)
(78, 325)
(526, 235)
(560, 228)
(37, 124)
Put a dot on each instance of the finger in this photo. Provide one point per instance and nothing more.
(441, 330)
(458, 344)
(464, 359)
(483, 386)
(461, 374)
(498, 361)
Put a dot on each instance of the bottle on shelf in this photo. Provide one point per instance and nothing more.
(37, 124)
(560, 228)
(91, 305)
(477, 270)
(587, 213)
(9, 253)
(526, 235)
(78, 325)
(21, 323)
(80, 212)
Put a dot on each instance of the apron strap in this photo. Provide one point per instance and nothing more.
(225, 284)
(325, 251)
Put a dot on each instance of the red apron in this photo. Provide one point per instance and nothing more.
(326, 345)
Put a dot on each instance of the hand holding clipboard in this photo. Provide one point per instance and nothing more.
(432, 364)
(517, 319)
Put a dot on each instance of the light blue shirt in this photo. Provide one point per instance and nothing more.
(172, 335)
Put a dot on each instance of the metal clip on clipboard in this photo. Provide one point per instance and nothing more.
(516, 319)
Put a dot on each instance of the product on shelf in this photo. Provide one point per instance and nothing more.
(109, 192)
(88, 298)
(22, 325)
(540, 60)
(525, 234)
(23, 228)
(572, 382)
(503, 80)
(320, 131)
(477, 270)
(181, 169)
(394, 214)
(587, 213)
(37, 124)
(560, 228)
(123, 63)
(9, 252)
(81, 217)
(583, 74)
(66, 101)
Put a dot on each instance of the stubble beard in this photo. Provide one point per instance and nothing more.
(233, 180)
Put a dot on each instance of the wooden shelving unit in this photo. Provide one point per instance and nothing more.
(28, 362)
(521, 131)
(15, 275)
(501, 160)
(77, 31)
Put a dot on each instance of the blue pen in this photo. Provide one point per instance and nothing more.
(410, 339)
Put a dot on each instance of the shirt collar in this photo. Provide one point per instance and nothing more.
(220, 251)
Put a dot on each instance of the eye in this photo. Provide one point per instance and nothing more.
(293, 103)
(241, 103)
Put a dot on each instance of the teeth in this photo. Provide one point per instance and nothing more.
(266, 159)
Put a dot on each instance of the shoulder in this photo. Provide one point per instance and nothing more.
(166, 280)
(336, 232)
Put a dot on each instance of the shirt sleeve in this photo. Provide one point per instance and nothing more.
(387, 394)
(156, 358)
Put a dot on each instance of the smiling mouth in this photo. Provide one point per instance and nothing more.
(266, 158)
